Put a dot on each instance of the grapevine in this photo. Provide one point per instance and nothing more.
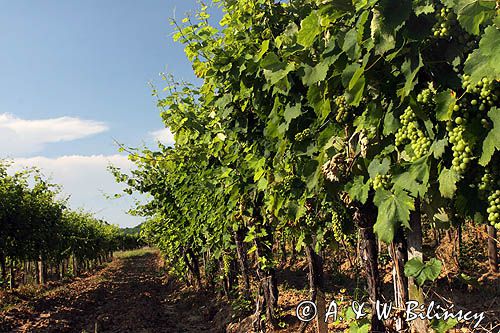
(38, 227)
(299, 75)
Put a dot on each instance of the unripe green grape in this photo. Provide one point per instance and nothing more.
(381, 181)
(343, 109)
(340, 221)
(304, 135)
(494, 208)
(460, 147)
(419, 143)
(444, 20)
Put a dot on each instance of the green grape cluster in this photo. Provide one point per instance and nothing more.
(226, 261)
(494, 209)
(310, 221)
(287, 184)
(445, 19)
(304, 135)
(486, 89)
(342, 109)
(411, 132)
(381, 181)
(426, 96)
(466, 109)
(462, 151)
(487, 181)
(339, 224)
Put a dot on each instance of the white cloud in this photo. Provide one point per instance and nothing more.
(165, 136)
(86, 179)
(22, 136)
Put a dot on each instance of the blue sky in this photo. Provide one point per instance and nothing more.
(74, 76)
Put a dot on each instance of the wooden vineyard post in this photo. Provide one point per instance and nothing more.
(492, 249)
(415, 251)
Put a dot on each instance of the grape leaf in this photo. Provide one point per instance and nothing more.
(289, 36)
(421, 271)
(383, 37)
(473, 14)
(445, 101)
(272, 62)
(348, 74)
(362, 4)
(448, 182)
(272, 129)
(393, 208)
(485, 60)
(391, 123)
(351, 46)
(492, 141)
(378, 167)
(354, 95)
(292, 112)
(386, 21)
(275, 76)
(413, 267)
(438, 148)
(315, 74)
(358, 189)
(430, 272)
(359, 328)
(309, 29)
(443, 326)
(355, 82)
(324, 109)
(410, 69)
(416, 179)
(263, 50)
(321, 105)
(423, 7)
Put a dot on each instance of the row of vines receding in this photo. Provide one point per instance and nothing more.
(41, 239)
(326, 129)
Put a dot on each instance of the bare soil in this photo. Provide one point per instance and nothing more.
(133, 294)
(128, 295)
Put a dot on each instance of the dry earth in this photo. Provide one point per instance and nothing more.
(128, 295)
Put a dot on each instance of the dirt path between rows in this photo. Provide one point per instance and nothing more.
(129, 295)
